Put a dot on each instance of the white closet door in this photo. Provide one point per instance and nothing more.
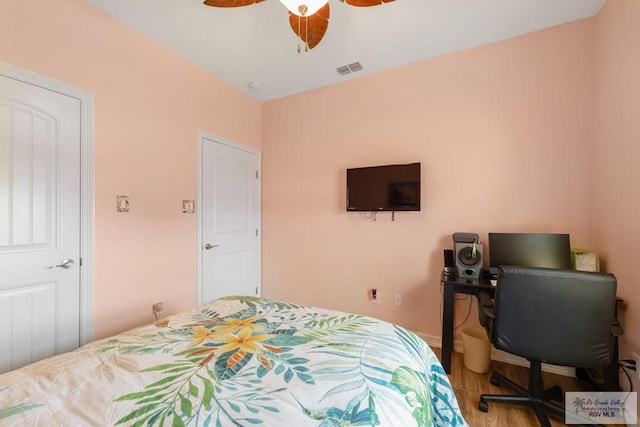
(230, 220)
(39, 223)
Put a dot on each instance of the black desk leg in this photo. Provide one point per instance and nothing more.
(447, 328)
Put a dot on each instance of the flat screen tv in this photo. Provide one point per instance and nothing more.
(384, 188)
(529, 250)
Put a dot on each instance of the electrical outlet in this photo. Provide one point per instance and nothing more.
(375, 296)
(157, 310)
(398, 299)
(637, 359)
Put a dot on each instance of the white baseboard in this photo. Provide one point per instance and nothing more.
(500, 356)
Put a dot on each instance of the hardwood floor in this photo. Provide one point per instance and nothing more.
(469, 385)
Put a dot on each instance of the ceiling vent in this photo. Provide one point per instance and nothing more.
(351, 68)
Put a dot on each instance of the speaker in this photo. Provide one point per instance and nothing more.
(468, 255)
(449, 262)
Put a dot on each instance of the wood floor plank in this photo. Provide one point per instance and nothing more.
(469, 385)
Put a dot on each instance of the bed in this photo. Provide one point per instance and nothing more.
(239, 361)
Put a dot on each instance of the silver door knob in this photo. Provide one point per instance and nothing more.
(66, 264)
(210, 246)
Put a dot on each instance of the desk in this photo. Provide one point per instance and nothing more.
(604, 379)
(453, 285)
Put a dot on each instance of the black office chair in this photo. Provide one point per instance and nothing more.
(561, 317)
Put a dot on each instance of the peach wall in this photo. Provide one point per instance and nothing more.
(504, 135)
(617, 156)
(149, 106)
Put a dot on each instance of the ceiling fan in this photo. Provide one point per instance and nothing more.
(309, 19)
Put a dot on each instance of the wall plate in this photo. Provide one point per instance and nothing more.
(122, 203)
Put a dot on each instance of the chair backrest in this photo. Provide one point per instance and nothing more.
(562, 317)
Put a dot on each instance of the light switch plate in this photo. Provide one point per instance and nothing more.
(122, 204)
(188, 206)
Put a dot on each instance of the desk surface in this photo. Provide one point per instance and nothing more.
(464, 282)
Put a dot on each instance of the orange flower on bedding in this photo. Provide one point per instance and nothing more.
(162, 323)
(244, 342)
(231, 326)
(227, 332)
(201, 335)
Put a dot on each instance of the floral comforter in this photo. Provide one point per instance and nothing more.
(239, 361)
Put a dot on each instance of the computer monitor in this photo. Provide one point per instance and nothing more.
(529, 250)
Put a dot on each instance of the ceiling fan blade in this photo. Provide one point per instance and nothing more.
(365, 3)
(231, 3)
(311, 29)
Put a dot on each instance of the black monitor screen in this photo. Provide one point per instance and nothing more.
(529, 250)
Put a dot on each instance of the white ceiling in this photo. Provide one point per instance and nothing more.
(256, 44)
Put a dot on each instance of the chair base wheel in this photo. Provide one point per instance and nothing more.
(555, 393)
(538, 399)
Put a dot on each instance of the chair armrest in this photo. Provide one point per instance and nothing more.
(616, 328)
(485, 304)
(485, 313)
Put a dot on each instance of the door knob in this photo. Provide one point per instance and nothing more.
(66, 264)
(210, 246)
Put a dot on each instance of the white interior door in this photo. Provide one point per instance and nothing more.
(229, 219)
(40, 140)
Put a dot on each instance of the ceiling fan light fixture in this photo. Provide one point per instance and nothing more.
(309, 19)
(303, 7)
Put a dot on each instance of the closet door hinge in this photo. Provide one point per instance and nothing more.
(256, 174)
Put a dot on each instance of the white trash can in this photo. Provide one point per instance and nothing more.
(477, 349)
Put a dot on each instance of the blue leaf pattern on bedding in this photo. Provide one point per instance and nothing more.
(232, 354)
(241, 361)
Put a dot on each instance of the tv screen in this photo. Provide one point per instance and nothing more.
(529, 250)
(384, 188)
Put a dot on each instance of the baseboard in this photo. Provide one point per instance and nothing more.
(500, 356)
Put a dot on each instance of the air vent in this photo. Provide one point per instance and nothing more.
(343, 70)
(351, 68)
(355, 67)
